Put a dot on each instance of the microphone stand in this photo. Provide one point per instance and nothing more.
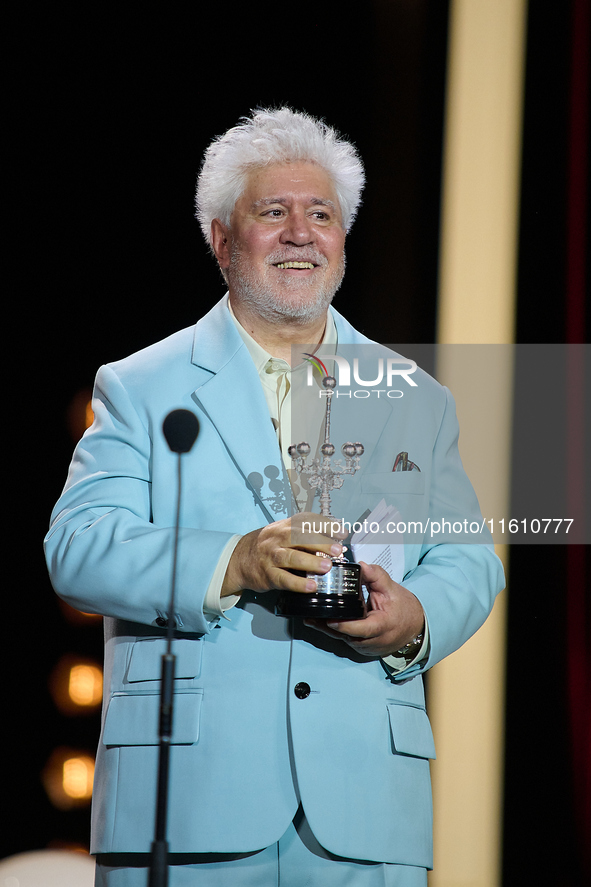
(180, 429)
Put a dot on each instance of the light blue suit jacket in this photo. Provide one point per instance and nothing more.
(245, 748)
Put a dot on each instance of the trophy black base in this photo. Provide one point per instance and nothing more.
(338, 595)
(319, 606)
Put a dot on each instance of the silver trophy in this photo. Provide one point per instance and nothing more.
(338, 593)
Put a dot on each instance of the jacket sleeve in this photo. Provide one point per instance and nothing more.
(458, 575)
(103, 552)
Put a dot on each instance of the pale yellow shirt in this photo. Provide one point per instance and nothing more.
(281, 386)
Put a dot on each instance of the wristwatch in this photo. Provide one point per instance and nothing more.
(410, 650)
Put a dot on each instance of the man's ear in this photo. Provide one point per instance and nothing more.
(219, 242)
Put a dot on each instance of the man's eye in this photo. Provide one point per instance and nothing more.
(273, 213)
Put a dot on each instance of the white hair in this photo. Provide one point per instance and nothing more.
(274, 136)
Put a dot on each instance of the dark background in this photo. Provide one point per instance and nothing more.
(113, 108)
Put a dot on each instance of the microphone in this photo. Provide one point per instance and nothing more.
(180, 429)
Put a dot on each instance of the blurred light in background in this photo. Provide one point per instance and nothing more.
(76, 685)
(77, 617)
(67, 778)
(80, 415)
(47, 868)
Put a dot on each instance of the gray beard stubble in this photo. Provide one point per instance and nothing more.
(253, 291)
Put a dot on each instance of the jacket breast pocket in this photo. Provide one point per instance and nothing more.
(410, 731)
(393, 483)
(133, 719)
(146, 658)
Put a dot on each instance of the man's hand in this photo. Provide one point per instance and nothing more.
(395, 618)
(265, 558)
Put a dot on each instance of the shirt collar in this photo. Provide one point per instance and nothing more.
(261, 357)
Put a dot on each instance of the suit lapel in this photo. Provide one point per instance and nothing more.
(233, 398)
(356, 419)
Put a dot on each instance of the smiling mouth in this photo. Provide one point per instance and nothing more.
(304, 265)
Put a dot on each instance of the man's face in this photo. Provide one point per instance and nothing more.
(284, 254)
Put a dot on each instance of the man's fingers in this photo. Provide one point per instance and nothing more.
(265, 558)
(313, 530)
(342, 631)
(362, 629)
(290, 562)
(286, 581)
(309, 562)
(355, 629)
(372, 574)
(321, 625)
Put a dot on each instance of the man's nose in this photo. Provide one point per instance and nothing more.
(298, 229)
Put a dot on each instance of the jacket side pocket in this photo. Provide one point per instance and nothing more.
(410, 730)
(133, 719)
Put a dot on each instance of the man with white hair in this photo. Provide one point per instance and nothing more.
(300, 749)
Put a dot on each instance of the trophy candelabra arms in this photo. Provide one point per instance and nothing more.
(338, 593)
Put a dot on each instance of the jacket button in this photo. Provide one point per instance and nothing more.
(302, 690)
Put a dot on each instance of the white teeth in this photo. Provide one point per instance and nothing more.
(295, 265)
